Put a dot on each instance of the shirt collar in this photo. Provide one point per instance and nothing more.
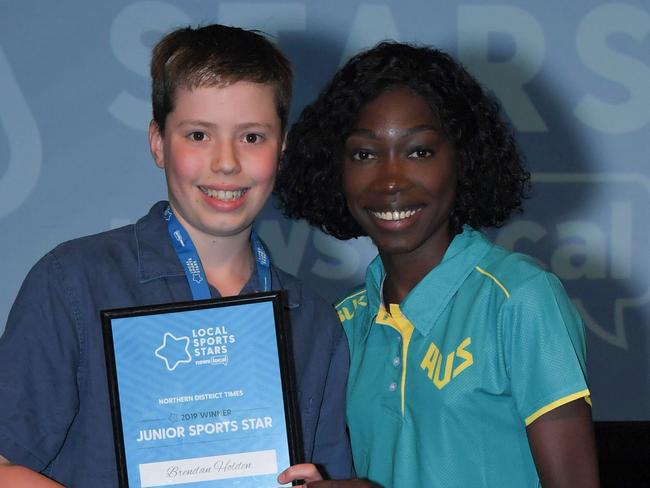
(157, 258)
(426, 301)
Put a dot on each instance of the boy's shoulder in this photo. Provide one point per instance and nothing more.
(120, 247)
(312, 316)
(96, 244)
(298, 293)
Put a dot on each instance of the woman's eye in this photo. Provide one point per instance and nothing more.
(362, 155)
(253, 138)
(421, 153)
(197, 136)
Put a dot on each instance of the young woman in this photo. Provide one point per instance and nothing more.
(467, 361)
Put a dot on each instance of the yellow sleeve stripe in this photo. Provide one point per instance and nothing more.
(360, 292)
(489, 275)
(558, 403)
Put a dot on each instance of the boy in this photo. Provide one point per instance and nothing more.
(220, 100)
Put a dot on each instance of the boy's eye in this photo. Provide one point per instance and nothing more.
(421, 153)
(362, 155)
(253, 138)
(197, 136)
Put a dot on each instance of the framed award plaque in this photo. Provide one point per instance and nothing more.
(202, 392)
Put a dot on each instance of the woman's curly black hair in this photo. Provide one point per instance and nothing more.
(492, 181)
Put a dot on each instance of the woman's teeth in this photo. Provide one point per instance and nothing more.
(396, 214)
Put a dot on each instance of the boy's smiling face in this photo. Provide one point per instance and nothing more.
(220, 151)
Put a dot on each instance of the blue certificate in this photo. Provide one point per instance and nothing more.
(202, 393)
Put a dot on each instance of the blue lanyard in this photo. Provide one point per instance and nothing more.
(191, 262)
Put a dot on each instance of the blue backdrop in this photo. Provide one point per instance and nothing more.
(573, 78)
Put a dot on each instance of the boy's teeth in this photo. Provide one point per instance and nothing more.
(395, 214)
(225, 195)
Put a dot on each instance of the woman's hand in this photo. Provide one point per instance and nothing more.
(306, 471)
(342, 484)
(313, 479)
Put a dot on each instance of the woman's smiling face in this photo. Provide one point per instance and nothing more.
(399, 175)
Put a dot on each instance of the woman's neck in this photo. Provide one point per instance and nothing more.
(405, 270)
(401, 280)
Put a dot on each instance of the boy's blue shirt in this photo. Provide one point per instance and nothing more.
(54, 406)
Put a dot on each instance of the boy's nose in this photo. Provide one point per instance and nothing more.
(225, 160)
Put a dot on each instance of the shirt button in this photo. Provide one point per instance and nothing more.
(396, 361)
(392, 386)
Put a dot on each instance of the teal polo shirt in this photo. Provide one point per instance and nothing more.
(443, 385)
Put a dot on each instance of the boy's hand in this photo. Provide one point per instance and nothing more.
(14, 476)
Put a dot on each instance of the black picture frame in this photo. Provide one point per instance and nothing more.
(284, 358)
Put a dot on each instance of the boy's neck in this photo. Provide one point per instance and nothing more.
(228, 261)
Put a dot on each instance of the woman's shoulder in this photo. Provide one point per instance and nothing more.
(515, 271)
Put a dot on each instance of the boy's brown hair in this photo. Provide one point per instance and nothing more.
(216, 55)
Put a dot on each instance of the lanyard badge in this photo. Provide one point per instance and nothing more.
(189, 258)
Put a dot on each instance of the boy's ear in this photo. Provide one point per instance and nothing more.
(156, 144)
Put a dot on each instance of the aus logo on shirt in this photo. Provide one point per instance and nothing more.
(442, 368)
(588, 230)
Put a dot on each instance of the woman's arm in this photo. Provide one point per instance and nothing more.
(564, 448)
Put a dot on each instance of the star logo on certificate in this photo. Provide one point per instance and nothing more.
(174, 351)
